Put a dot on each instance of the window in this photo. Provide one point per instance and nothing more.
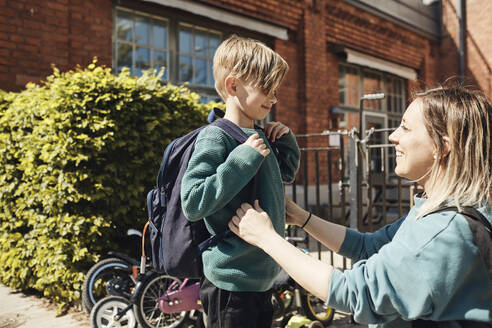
(142, 41)
(196, 51)
(353, 82)
(395, 95)
(348, 86)
(372, 83)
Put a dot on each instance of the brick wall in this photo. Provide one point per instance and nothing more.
(289, 108)
(373, 35)
(448, 52)
(66, 33)
(478, 44)
(286, 13)
(35, 34)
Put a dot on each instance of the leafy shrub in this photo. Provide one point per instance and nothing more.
(77, 156)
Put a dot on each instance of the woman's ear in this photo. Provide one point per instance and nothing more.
(447, 146)
(230, 85)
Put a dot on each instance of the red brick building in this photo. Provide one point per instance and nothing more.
(338, 50)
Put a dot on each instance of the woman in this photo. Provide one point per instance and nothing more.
(425, 266)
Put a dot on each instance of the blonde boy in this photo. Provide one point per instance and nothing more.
(238, 276)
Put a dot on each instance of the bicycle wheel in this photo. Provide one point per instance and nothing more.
(103, 313)
(107, 277)
(316, 309)
(146, 305)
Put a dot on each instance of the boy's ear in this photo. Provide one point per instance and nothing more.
(230, 85)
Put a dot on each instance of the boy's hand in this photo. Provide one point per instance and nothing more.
(257, 144)
(274, 130)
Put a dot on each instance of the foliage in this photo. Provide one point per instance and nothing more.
(77, 156)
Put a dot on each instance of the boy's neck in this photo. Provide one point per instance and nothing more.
(234, 114)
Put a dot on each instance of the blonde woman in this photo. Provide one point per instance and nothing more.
(425, 266)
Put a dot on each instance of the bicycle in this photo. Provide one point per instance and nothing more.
(157, 301)
(115, 275)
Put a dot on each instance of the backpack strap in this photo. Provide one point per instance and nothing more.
(232, 129)
(240, 136)
(470, 212)
(482, 233)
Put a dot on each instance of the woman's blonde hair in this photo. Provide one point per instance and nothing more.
(248, 60)
(462, 176)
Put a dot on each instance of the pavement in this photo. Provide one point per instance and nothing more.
(30, 311)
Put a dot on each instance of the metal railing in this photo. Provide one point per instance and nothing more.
(349, 180)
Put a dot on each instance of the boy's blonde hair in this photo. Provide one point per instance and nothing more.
(249, 60)
(462, 177)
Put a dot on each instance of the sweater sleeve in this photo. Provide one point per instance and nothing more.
(358, 245)
(288, 156)
(387, 286)
(431, 270)
(214, 176)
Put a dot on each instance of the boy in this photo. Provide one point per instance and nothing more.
(238, 276)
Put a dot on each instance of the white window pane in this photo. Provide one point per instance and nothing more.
(124, 26)
(200, 43)
(160, 60)
(213, 43)
(142, 60)
(142, 30)
(124, 58)
(372, 83)
(399, 105)
(390, 107)
(389, 85)
(200, 72)
(160, 34)
(185, 40)
(185, 68)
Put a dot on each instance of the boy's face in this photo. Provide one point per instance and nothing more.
(253, 102)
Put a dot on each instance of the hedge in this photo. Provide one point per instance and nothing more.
(77, 156)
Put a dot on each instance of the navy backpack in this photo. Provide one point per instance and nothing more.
(176, 243)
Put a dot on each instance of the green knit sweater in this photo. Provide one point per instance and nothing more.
(213, 188)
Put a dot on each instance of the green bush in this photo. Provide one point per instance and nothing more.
(77, 156)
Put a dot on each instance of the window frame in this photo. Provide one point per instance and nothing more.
(173, 24)
(175, 17)
(384, 77)
(390, 117)
(116, 41)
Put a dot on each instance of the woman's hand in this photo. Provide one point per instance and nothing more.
(295, 215)
(251, 224)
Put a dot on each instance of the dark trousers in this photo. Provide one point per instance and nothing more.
(226, 309)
